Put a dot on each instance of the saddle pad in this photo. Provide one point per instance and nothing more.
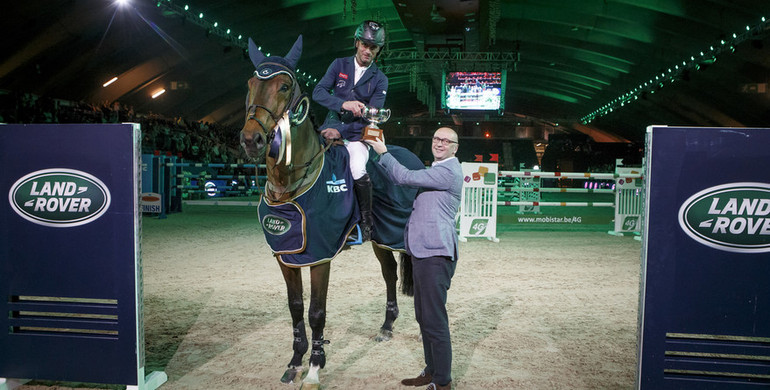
(312, 228)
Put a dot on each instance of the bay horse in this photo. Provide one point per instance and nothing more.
(278, 131)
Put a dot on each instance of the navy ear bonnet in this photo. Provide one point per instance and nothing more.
(269, 67)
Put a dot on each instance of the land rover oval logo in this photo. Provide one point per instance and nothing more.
(732, 217)
(275, 225)
(59, 197)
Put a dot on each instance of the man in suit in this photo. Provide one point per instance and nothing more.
(431, 241)
(349, 85)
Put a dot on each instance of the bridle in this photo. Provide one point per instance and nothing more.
(293, 113)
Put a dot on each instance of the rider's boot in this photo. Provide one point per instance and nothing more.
(363, 188)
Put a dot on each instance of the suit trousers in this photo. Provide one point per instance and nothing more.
(432, 278)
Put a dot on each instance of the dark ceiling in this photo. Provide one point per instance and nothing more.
(571, 57)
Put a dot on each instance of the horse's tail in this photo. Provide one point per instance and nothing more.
(407, 283)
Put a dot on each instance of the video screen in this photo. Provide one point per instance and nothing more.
(473, 90)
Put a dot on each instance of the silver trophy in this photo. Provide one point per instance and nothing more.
(374, 116)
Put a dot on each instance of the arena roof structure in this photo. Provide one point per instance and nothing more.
(607, 68)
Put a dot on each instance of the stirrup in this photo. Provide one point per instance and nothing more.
(355, 237)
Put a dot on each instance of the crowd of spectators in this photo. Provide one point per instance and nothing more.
(192, 140)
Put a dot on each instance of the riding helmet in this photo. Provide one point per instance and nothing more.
(371, 32)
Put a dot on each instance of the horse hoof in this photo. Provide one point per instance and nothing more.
(384, 335)
(290, 374)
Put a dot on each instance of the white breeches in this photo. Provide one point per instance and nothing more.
(359, 155)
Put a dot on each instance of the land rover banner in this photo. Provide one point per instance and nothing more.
(70, 266)
(705, 299)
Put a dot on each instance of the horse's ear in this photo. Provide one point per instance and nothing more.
(293, 56)
(254, 53)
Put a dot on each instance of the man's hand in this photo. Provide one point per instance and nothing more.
(331, 134)
(377, 145)
(354, 106)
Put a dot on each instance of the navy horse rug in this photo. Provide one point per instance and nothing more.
(313, 227)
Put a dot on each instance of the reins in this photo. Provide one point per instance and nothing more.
(306, 166)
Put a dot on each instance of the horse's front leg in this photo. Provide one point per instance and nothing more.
(293, 279)
(389, 269)
(319, 285)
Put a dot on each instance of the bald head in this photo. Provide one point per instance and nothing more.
(445, 144)
(446, 132)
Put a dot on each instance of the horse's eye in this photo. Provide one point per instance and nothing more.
(284, 87)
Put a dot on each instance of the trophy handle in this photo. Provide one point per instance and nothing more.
(386, 114)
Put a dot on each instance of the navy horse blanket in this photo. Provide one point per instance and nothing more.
(314, 226)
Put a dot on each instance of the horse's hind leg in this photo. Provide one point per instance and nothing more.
(293, 279)
(389, 269)
(319, 285)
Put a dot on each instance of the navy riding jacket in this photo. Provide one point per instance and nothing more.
(337, 86)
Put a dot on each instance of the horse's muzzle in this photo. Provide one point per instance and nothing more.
(253, 144)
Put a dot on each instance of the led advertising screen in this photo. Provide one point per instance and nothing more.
(474, 91)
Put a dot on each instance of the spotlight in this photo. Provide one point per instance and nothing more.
(112, 80)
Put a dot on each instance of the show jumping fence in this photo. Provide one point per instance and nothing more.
(177, 181)
(524, 189)
(211, 182)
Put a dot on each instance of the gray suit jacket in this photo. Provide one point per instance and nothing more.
(430, 230)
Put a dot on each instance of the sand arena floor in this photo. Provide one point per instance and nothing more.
(538, 310)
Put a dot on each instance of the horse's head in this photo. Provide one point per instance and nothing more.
(273, 104)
